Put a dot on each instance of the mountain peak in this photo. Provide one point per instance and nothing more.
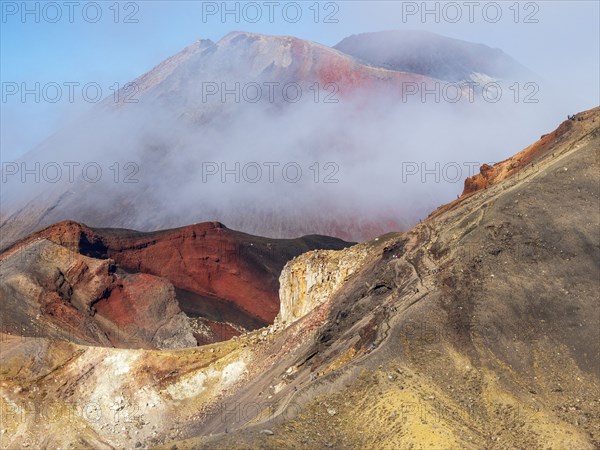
(430, 54)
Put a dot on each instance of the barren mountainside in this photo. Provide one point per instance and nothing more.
(477, 328)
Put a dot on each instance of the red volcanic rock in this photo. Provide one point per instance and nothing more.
(325, 65)
(143, 309)
(48, 290)
(221, 275)
(205, 259)
(522, 161)
(526, 162)
(481, 180)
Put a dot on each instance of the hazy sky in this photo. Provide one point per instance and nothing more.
(556, 39)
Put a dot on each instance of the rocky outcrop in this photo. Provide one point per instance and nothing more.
(48, 290)
(312, 278)
(145, 309)
(523, 163)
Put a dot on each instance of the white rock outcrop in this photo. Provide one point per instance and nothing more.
(312, 278)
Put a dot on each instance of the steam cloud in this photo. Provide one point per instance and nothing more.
(381, 163)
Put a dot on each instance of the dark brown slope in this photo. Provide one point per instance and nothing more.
(227, 278)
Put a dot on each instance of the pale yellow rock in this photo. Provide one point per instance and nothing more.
(313, 277)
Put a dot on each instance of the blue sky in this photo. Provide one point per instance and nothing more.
(563, 45)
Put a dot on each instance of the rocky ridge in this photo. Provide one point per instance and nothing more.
(312, 278)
